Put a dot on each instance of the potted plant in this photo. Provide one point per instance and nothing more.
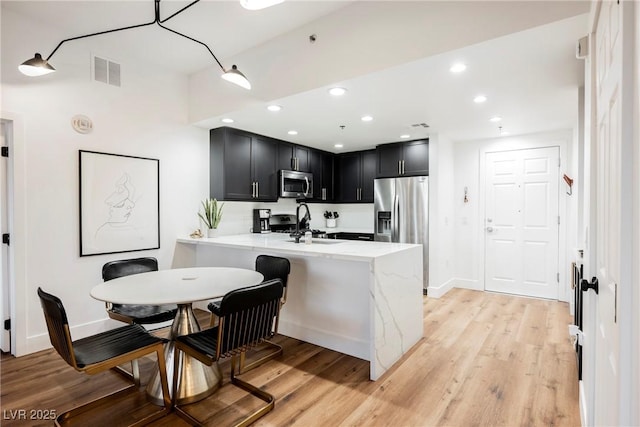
(331, 218)
(211, 216)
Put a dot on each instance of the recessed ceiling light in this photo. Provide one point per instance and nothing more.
(227, 120)
(366, 118)
(405, 136)
(479, 99)
(337, 91)
(458, 67)
(338, 145)
(495, 119)
(293, 132)
(274, 108)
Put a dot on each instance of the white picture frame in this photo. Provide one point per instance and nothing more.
(119, 203)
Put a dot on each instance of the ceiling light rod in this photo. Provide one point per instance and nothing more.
(232, 75)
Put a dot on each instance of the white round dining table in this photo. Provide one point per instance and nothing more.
(181, 286)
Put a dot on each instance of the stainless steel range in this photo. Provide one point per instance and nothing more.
(286, 223)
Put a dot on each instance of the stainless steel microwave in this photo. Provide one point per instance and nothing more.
(296, 184)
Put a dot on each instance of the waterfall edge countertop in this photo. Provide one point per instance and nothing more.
(282, 243)
(360, 298)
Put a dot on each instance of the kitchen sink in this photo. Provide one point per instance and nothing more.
(317, 241)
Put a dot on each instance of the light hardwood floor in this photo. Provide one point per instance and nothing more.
(485, 360)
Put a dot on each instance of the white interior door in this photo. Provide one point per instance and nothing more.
(521, 222)
(608, 213)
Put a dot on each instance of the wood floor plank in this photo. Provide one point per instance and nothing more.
(485, 360)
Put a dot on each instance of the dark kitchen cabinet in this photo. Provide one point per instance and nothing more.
(355, 173)
(293, 157)
(321, 166)
(242, 166)
(409, 158)
(367, 237)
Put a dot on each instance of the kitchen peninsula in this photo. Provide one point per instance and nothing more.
(359, 298)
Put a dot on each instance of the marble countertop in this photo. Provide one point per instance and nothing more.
(282, 243)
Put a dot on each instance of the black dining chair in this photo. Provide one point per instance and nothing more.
(271, 267)
(98, 353)
(246, 317)
(130, 313)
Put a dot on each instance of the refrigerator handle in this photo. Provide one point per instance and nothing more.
(395, 232)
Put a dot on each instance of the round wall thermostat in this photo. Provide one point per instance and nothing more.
(81, 124)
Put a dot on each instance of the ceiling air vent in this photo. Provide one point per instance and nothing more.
(424, 125)
(106, 71)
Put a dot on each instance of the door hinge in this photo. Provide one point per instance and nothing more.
(558, 277)
(5, 151)
(6, 239)
(559, 162)
(7, 324)
(558, 219)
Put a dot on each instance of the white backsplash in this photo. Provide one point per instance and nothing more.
(237, 217)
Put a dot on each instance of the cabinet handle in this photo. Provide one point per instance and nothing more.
(324, 194)
(253, 189)
(297, 164)
(403, 167)
(399, 168)
(257, 189)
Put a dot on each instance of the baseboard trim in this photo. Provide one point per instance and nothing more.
(473, 284)
(439, 291)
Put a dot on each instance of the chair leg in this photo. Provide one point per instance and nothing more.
(134, 375)
(277, 351)
(255, 391)
(67, 417)
(174, 395)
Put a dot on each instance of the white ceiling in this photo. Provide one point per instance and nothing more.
(530, 77)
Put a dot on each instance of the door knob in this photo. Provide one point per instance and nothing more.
(585, 285)
(490, 229)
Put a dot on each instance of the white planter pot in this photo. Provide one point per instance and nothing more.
(331, 222)
(212, 232)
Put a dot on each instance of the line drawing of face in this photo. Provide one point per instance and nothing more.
(121, 201)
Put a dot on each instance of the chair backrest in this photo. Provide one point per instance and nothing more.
(273, 267)
(248, 316)
(58, 326)
(127, 267)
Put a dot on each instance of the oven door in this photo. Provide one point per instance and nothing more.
(296, 184)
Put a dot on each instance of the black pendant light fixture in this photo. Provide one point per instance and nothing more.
(37, 66)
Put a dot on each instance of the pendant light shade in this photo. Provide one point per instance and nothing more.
(36, 66)
(236, 77)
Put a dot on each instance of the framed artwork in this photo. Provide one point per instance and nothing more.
(119, 203)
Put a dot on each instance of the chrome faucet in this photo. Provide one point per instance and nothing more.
(297, 234)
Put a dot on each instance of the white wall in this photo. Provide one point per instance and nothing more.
(469, 217)
(145, 117)
(441, 215)
(237, 217)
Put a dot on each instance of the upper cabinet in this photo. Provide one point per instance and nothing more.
(293, 157)
(243, 166)
(321, 166)
(355, 173)
(403, 159)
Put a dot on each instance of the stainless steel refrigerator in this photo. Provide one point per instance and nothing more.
(402, 213)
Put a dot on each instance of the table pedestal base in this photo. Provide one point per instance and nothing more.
(196, 380)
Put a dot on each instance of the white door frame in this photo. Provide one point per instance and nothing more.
(541, 140)
(17, 217)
